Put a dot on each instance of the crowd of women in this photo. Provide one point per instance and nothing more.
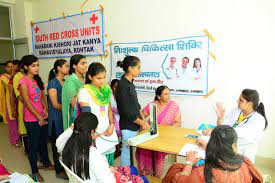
(89, 121)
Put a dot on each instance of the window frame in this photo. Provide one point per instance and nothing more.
(11, 38)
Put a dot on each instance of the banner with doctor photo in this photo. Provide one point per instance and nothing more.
(181, 64)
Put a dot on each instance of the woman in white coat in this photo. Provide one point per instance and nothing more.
(78, 151)
(249, 121)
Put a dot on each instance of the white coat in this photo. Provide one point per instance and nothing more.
(250, 131)
(98, 165)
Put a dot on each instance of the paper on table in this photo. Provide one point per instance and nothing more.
(16, 177)
(199, 132)
(192, 147)
(203, 137)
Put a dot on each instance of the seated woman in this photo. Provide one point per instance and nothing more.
(6, 177)
(168, 113)
(248, 120)
(76, 145)
(4, 174)
(222, 162)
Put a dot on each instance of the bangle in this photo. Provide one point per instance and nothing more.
(184, 173)
(188, 163)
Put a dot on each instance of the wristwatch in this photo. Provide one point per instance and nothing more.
(188, 163)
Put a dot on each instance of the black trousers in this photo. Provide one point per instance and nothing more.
(38, 139)
(26, 143)
(56, 155)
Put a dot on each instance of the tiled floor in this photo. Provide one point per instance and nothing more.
(15, 160)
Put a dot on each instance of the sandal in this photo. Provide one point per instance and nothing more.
(37, 177)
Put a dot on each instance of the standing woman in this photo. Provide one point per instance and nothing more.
(21, 127)
(95, 97)
(78, 67)
(55, 123)
(114, 83)
(35, 112)
(131, 119)
(7, 105)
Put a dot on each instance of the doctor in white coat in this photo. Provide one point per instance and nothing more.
(249, 121)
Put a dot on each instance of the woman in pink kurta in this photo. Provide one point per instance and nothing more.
(114, 106)
(169, 114)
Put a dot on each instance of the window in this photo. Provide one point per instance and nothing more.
(6, 38)
(5, 28)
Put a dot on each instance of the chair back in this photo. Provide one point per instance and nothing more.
(73, 178)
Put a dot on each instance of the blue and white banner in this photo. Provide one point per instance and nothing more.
(75, 34)
(181, 64)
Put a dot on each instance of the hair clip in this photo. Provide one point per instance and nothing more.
(222, 135)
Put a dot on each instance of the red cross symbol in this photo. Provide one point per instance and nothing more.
(36, 29)
(94, 18)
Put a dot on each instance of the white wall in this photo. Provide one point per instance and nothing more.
(244, 33)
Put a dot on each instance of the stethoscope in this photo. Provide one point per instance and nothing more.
(244, 121)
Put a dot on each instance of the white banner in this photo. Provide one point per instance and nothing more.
(66, 36)
(181, 64)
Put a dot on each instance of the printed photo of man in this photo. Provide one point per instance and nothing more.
(172, 71)
(184, 64)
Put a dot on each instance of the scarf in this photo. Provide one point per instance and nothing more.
(100, 96)
(69, 90)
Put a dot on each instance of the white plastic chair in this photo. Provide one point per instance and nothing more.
(73, 178)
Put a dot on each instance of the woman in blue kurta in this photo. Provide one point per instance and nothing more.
(56, 81)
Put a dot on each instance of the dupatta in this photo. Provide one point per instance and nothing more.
(100, 96)
(69, 90)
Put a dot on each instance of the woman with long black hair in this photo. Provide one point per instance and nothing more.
(222, 162)
(35, 114)
(55, 122)
(78, 69)
(131, 119)
(77, 146)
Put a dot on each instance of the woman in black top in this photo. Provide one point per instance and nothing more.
(131, 119)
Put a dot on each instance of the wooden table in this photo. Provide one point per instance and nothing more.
(171, 139)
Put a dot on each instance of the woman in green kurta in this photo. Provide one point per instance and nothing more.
(78, 67)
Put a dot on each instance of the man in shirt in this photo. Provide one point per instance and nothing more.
(184, 67)
(172, 71)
